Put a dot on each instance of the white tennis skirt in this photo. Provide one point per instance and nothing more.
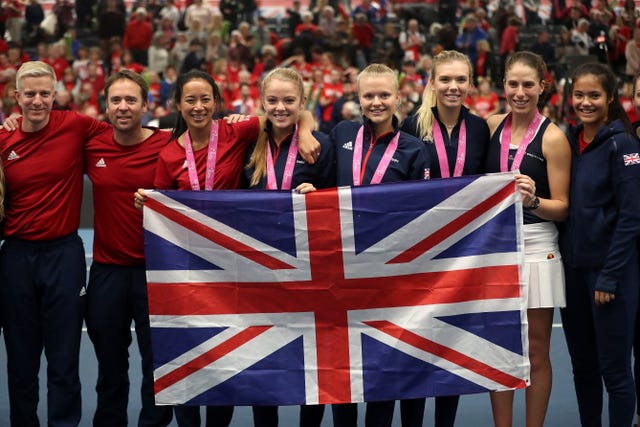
(543, 274)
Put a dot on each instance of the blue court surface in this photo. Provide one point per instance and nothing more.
(474, 410)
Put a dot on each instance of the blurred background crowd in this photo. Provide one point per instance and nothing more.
(327, 41)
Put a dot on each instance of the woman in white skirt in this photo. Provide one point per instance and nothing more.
(523, 140)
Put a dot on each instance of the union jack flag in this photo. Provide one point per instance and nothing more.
(342, 295)
(631, 159)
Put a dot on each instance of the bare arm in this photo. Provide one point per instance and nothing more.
(557, 152)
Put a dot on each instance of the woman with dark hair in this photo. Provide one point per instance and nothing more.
(599, 247)
(207, 154)
(525, 141)
(636, 339)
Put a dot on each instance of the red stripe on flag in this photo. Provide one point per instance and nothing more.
(334, 293)
(217, 237)
(454, 226)
(448, 353)
(207, 358)
(334, 381)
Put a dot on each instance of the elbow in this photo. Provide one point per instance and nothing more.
(562, 212)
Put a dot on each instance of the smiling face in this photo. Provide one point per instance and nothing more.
(125, 105)
(451, 83)
(283, 104)
(197, 103)
(35, 97)
(522, 88)
(379, 97)
(590, 101)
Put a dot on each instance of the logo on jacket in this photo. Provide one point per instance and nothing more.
(348, 145)
(631, 159)
(101, 163)
(427, 173)
(13, 155)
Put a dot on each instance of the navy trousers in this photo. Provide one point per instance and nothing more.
(217, 416)
(600, 339)
(116, 296)
(43, 303)
(267, 416)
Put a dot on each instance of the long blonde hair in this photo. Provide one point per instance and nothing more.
(429, 99)
(258, 159)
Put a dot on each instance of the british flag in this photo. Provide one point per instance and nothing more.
(342, 295)
(631, 159)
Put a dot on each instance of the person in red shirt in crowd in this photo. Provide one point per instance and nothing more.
(129, 63)
(619, 34)
(7, 72)
(4, 46)
(363, 34)
(95, 78)
(484, 102)
(306, 24)
(627, 101)
(244, 77)
(509, 40)
(412, 40)
(485, 65)
(299, 63)
(266, 63)
(56, 59)
(409, 72)
(86, 98)
(42, 260)
(137, 36)
(331, 91)
(115, 56)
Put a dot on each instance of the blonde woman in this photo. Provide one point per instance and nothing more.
(457, 142)
(273, 163)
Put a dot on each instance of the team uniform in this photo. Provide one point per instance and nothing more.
(543, 273)
(599, 245)
(322, 175)
(117, 290)
(636, 340)
(475, 133)
(410, 161)
(477, 141)
(172, 174)
(233, 140)
(42, 265)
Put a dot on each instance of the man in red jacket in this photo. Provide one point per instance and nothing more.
(137, 36)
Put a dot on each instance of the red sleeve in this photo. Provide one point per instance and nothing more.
(164, 179)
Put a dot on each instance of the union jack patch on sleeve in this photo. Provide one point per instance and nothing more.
(631, 159)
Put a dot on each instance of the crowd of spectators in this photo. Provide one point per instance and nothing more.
(327, 41)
